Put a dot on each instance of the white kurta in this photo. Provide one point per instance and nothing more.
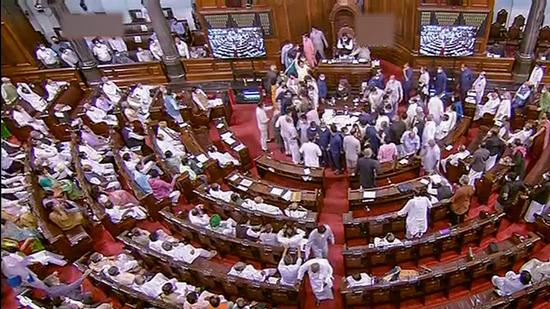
(479, 88)
(536, 76)
(112, 91)
(503, 110)
(435, 108)
(416, 211)
(430, 129)
(424, 82)
(289, 273)
(396, 94)
(490, 107)
(321, 281)
(37, 102)
(319, 242)
(311, 152)
(508, 284)
(364, 281)
(53, 89)
(262, 121)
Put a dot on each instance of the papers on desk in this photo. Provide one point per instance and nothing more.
(137, 39)
(239, 147)
(307, 178)
(307, 171)
(229, 140)
(296, 196)
(144, 28)
(449, 147)
(220, 125)
(233, 177)
(246, 182)
(241, 188)
(369, 194)
(424, 181)
(271, 169)
(276, 191)
(272, 280)
(202, 158)
(226, 135)
(403, 161)
(287, 196)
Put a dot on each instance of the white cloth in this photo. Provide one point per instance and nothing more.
(321, 282)
(118, 44)
(296, 241)
(396, 94)
(311, 152)
(183, 49)
(53, 89)
(424, 82)
(508, 284)
(47, 56)
(503, 110)
(289, 273)
(37, 102)
(364, 281)
(490, 107)
(251, 273)
(539, 270)
(318, 243)
(435, 108)
(199, 220)
(112, 91)
(535, 208)
(116, 214)
(144, 56)
(153, 287)
(262, 121)
(156, 50)
(416, 210)
(102, 52)
(383, 242)
(221, 195)
(430, 129)
(479, 87)
(536, 76)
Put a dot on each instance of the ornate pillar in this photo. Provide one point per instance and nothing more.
(526, 53)
(89, 64)
(171, 58)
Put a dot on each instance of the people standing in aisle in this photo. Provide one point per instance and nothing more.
(312, 153)
(319, 240)
(367, 168)
(336, 149)
(320, 277)
(263, 124)
(460, 201)
(479, 87)
(352, 148)
(466, 80)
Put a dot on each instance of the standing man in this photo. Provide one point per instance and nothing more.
(495, 145)
(466, 80)
(352, 148)
(395, 90)
(431, 154)
(319, 240)
(263, 124)
(510, 192)
(288, 268)
(311, 152)
(270, 80)
(479, 163)
(440, 83)
(367, 168)
(416, 211)
(536, 76)
(407, 81)
(323, 142)
(539, 199)
(424, 82)
(320, 277)
(479, 86)
(460, 201)
(336, 149)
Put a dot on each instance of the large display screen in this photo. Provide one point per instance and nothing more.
(447, 41)
(237, 43)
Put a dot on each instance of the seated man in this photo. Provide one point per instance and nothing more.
(397, 274)
(245, 271)
(292, 237)
(343, 91)
(439, 189)
(454, 159)
(168, 144)
(122, 277)
(23, 119)
(295, 211)
(224, 158)
(152, 286)
(490, 107)
(259, 205)
(131, 138)
(66, 219)
(388, 241)
(37, 102)
(197, 216)
(162, 189)
(523, 135)
(511, 282)
(118, 213)
(98, 115)
(521, 96)
(359, 279)
(184, 252)
(345, 45)
(539, 270)
(53, 88)
(216, 192)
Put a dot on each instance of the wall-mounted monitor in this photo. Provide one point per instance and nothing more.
(447, 41)
(237, 43)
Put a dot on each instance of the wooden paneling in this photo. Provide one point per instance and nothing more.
(150, 73)
(209, 69)
(498, 69)
(38, 76)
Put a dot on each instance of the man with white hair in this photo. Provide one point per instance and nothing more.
(320, 278)
(318, 241)
(521, 96)
(37, 102)
(479, 86)
(490, 107)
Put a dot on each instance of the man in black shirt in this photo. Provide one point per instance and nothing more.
(367, 167)
(397, 128)
(495, 145)
(509, 193)
(539, 199)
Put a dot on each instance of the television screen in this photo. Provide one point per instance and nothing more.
(447, 41)
(234, 43)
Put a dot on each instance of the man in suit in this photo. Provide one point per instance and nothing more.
(466, 80)
(367, 167)
(440, 83)
(336, 149)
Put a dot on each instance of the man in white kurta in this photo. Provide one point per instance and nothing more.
(436, 109)
(490, 107)
(111, 90)
(320, 277)
(263, 120)
(249, 272)
(156, 50)
(430, 129)
(216, 192)
(319, 240)
(447, 124)
(53, 88)
(288, 269)
(290, 137)
(536, 76)
(416, 211)
(311, 152)
(98, 115)
(479, 86)
(352, 148)
(431, 154)
(504, 109)
(424, 81)
(37, 102)
(395, 90)
(361, 279)
(511, 282)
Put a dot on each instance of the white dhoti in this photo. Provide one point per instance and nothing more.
(294, 150)
(491, 162)
(534, 208)
(264, 132)
(473, 175)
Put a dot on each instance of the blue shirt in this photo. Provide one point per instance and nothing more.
(466, 79)
(335, 145)
(440, 84)
(142, 181)
(322, 86)
(324, 138)
(170, 105)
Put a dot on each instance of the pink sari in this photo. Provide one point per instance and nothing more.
(309, 52)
